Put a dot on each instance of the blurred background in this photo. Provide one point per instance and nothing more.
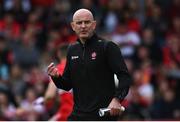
(147, 32)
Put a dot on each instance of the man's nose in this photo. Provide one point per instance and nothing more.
(83, 24)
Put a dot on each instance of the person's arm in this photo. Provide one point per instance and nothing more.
(118, 66)
(61, 81)
(51, 90)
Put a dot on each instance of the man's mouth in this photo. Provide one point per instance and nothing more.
(84, 32)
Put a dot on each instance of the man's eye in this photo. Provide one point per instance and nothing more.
(81, 22)
(78, 23)
(87, 22)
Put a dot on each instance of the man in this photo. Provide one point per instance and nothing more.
(89, 71)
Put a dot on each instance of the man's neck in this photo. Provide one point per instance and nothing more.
(83, 41)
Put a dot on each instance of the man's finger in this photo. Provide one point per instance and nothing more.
(51, 69)
(55, 72)
(51, 64)
(115, 112)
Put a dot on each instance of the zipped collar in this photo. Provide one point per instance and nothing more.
(89, 41)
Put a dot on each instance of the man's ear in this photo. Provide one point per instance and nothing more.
(94, 25)
(72, 25)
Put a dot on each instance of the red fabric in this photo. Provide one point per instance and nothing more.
(43, 3)
(66, 98)
(166, 56)
(61, 66)
(125, 103)
(72, 38)
(134, 25)
(66, 106)
(170, 59)
(14, 29)
(64, 40)
(49, 104)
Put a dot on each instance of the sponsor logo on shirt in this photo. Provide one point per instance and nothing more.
(74, 57)
(99, 40)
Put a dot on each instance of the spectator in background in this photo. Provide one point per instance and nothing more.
(7, 107)
(173, 10)
(9, 27)
(6, 58)
(25, 53)
(17, 5)
(17, 83)
(27, 110)
(126, 39)
(154, 49)
(166, 98)
(138, 108)
(175, 27)
(171, 53)
(157, 22)
(110, 19)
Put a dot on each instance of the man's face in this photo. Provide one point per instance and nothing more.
(84, 26)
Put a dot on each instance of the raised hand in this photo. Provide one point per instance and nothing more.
(52, 70)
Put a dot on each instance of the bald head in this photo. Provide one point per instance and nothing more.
(83, 24)
(82, 12)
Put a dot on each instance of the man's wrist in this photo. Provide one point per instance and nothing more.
(56, 78)
(116, 98)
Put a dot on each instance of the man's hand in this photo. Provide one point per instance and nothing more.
(115, 107)
(52, 70)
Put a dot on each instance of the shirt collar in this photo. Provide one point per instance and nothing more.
(90, 40)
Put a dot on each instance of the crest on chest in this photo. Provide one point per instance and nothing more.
(93, 55)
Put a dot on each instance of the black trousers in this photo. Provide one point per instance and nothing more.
(90, 117)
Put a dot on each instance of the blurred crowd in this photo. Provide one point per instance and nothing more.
(147, 32)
